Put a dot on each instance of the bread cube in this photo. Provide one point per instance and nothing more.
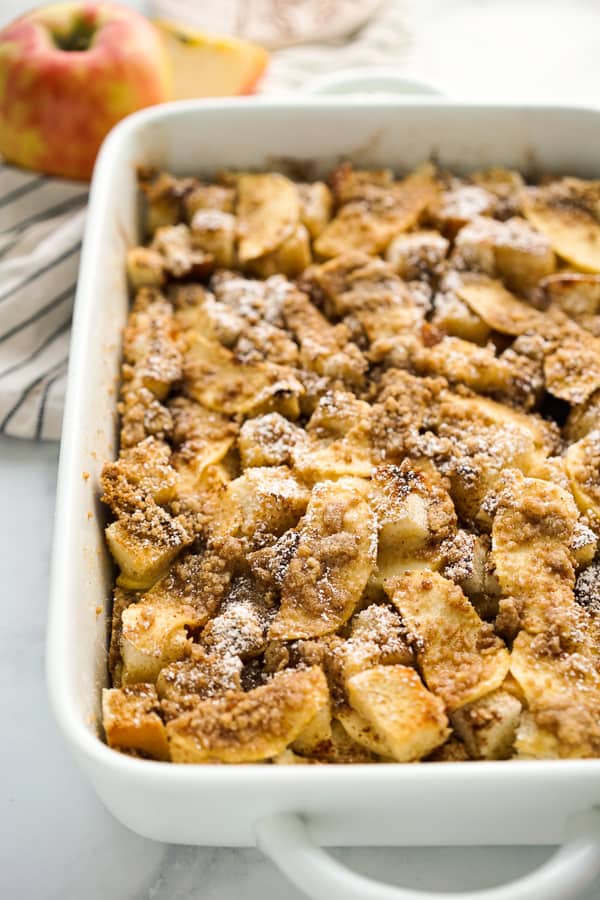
(181, 684)
(315, 207)
(409, 721)
(142, 562)
(458, 205)
(414, 514)
(488, 726)
(316, 734)
(363, 733)
(181, 259)
(417, 254)
(512, 250)
(452, 315)
(583, 418)
(213, 232)
(132, 722)
(261, 504)
(268, 440)
(154, 634)
(145, 268)
(290, 258)
(209, 196)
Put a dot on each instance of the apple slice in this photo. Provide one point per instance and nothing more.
(206, 65)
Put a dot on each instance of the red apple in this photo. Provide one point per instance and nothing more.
(68, 73)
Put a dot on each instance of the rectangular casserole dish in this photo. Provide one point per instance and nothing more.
(401, 804)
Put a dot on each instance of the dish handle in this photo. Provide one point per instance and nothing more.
(369, 80)
(284, 838)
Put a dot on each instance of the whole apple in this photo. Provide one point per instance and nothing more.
(68, 73)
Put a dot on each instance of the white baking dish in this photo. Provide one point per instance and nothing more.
(467, 803)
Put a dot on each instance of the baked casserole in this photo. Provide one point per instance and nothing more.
(356, 507)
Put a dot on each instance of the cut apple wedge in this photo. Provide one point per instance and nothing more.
(206, 65)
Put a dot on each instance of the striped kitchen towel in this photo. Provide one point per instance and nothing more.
(41, 225)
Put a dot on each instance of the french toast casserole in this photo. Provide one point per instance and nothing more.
(356, 506)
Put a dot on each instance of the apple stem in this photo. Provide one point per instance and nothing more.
(78, 38)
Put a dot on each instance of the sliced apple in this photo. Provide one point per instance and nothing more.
(268, 212)
(498, 308)
(567, 212)
(206, 65)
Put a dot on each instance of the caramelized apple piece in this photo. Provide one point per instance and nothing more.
(582, 460)
(567, 212)
(531, 537)
(414, 514)
(497, 306)
(290, 258)
(152, 636)
(451, 637)
(331, 564)
(369, 222)
(268, 211)
(578, 296)
(261, 505)
(216, 379)
(485, 438)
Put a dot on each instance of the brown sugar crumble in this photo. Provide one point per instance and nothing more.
(356, 507)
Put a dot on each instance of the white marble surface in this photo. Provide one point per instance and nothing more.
(56, 840)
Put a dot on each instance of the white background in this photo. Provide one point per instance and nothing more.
(56, 840)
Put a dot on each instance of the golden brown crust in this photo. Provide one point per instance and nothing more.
(417, 412)
(252, 726)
